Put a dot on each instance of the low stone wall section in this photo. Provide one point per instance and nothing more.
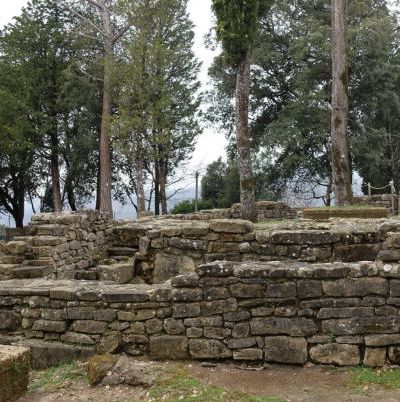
(67, 244)
(169, 247)
(291, 313)
(380, 200)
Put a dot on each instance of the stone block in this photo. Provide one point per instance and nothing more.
(219, 306)
(9, 320)
(375, 357)
(283, 349)
(50, 326)
(185, 310)
(168, 347)
(138, 315)
(231, 226)
(298, 326)
(309, 289)
(382, 340)
(361, 325)
(119, 273)
(326, 313)
(208, 349)
(248, 354)
(14, 372)
(187, 295)
(350, 287)
(334, 353)
(281, 290)
(89, 327)
(245, 291)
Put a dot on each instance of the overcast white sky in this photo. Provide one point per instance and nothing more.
(211, 145)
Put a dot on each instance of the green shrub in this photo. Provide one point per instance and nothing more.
(189, 206)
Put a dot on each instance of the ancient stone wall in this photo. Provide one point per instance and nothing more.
(381, 200)
(264, 210)
(345, 314)
(57, 246)
(167, 248)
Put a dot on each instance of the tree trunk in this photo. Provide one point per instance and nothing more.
(341, 171)
(105, 203)
(141, 201)
(156, 189)
(163, 188)
(55, 173)
(247, 196)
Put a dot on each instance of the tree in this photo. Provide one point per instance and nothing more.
(341, 171)
(158, 119)
(212, 183)
(237, 26)
(291, 90)
(110, 30)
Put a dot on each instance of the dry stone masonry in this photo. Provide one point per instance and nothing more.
(335, 313)
(292, 292)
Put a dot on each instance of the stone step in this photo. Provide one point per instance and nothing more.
(120, 273)
(30, 272)
(122, 251)
(40, 262)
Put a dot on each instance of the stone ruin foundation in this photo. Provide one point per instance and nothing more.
(289, 292)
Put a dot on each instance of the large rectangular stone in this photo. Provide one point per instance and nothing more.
(219, 306)
(361, 325)
(89, 327)
(50, 326)
(356, 287)
(168, 347)
(283, 349)
(296, 326)
(208, 349)
(382, 340)
(346, 312)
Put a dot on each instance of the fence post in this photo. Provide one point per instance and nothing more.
(393, 193)
(369, 190)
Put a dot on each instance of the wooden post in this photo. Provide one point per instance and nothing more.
(197, 192)
(369, 190)
(393, 194)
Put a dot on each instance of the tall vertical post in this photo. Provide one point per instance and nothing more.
(197, 193)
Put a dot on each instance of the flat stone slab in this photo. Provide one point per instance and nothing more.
(326, 213)
(14, 372)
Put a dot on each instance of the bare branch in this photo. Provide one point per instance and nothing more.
(121, 33)
(83, 18)
(90, 75)
(94, 3)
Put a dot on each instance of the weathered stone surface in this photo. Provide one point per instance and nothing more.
(283, 349)
(334, 353)
(109, 343)
(173, 326)
(344, 312)
(218, 306)
(208, 349)
(14, 372)
(304, 237)
(168, 347)
(375, 357)
(394, 354)
(89, 327)
(287, 289)
(242, 290)
(50, 354)
(9, 320)
(231, 226)
(309, 289)
(138, 315)
(184, 310)
(80, 313)
(50, 326)
(73, 337)
(285, 326)
(248, 354)
(382, 340)
(99, 366)
(361, 325)
(216, 333)
(216, 293)
(187, 295)
(133, 373)
(119, 273)
(355, 287)
(185, 281)
(356, 252)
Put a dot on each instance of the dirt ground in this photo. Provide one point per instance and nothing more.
(270, 383)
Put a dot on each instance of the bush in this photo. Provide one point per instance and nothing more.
(189, 206)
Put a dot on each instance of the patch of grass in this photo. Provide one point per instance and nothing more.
(181, 388)
(55, 377)
(365, 376)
